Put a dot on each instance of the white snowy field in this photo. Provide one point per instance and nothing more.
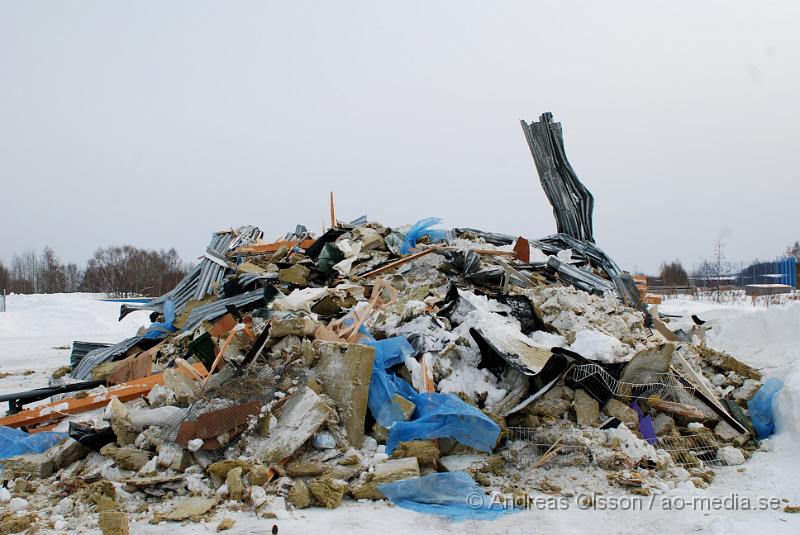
(36, 333)
(765, 338)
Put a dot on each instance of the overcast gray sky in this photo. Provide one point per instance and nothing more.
(155, 123)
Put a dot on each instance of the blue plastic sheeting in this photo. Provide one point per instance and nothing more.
(159, 329)
(14, 442)
(419, 229)
(384, 385)
(445, 416)
(451, 494)
(761, 407)
(435, 416)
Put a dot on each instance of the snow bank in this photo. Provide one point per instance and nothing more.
(595, 345)
(68, 315)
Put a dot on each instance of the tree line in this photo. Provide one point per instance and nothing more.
(674, 274)
(119, 270)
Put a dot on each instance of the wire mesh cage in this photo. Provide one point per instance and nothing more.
(691, 451)
(601, 384)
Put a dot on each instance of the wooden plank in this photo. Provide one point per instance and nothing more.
(397, 263)
(260, 248)
(53, 412)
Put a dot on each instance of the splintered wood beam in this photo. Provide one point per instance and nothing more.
(333, 213)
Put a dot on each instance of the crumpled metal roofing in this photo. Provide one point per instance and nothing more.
(211, 269)
(216, 309)
(572, 202)
(84, 368)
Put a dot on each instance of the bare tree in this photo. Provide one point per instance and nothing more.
(673, 274)
(126, 270)
(719, 265)
(5, 277)
(793, 250)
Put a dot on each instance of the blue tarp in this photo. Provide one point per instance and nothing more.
(15, 442)
(419, 229)
(761, 407)
(445, 416)
(435, 416)
(159, 329)
(384, 385)
(452, 494)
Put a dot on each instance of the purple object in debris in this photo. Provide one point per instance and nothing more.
(645, 425)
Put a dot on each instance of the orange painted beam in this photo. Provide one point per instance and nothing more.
(51, 413)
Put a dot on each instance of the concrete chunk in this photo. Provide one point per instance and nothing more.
(67, 452)
(622, 412)
(32, 465)
(387, 472)
(344, 371)
(587, 409)
(126, 458)
(300, 326)
(296, 274)
(114, 523)
(300, 417)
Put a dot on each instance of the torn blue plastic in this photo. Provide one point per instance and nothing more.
(419, 229)
(159, 329)
(15, 442)
(384, 385)
(761, 407)
(454, 495)
(445, 416)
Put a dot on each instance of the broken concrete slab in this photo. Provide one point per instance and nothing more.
(113, 523)
(297, 275)
(67, 452)
(184, 388)
(386, 472)
(663, 424)
(32, 465)
(344, 372)
(301, 416)
(622, 412)
(727, 433)
(302, 326)
(587, 409)
(188, 508)
(646, 365)
(126, 457)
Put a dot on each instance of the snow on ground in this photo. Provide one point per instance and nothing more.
(37, 331)
(768, 338)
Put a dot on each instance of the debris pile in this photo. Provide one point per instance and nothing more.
(316, 369)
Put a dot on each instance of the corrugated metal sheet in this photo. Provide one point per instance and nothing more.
(81, 349)
(216, 309)
(98, 356)
(198, 282)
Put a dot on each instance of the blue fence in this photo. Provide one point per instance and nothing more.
(780, 271)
